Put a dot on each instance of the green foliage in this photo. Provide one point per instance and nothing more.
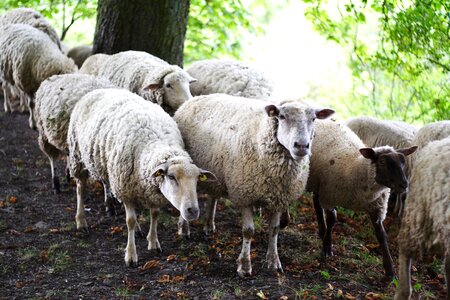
(404, 71)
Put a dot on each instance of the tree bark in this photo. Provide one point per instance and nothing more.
(154, 26)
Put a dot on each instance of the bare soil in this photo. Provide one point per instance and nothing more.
(42, 256)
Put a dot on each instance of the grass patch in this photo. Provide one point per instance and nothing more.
(59, 259)
(28, 253)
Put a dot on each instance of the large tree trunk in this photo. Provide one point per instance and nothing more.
(155, 26)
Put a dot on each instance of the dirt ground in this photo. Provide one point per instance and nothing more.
(42, 256)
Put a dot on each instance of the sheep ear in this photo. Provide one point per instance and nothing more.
(206, 176)
(407, 151)
(324, 113)
(159, 171)
(191, 79)
(368, 153)
(153, 87)
(272, 110)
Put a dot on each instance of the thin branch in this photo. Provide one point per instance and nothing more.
(66, 29)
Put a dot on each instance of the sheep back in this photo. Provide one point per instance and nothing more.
(55, 100)
(235, 139)
(79, 54)
(229, 77)
(28, 57)
(93, 63)
(33, 18)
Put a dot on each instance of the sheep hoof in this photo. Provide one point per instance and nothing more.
(280, 270)
(56, 185)
(132, 264)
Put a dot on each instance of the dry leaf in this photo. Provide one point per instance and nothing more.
(164, 279)
(117, 229)
(2, 204)
(373, 296)
(69, 209)
(181, 295)
(19, 284)
(171, 257)
(151, 264)
(178, 278)
(349, 296)
(284, 298)
(261, 295)
(372, 246)
(54, 230)
(28, 229)
(12, 199)
(339, 293)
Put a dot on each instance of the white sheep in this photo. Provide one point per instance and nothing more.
(54, 102)
(93, 64)
(259, 153)
(33, 18)
(344, 172)
(150, 77)
(118, 137)
(425, 227)
(229, 77)
(28, 57)
(374, 132)
(79, 54)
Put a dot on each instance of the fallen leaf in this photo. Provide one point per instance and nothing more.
(44, 255)
(181, 295)
(373, 296)
(54, 230)
(178, 278)
(339, 293)
(12, 199)
(117, 229)
(13, 232)
(28, 229)
(372, 246)
(19, 284)
(284, 298)
(349, 296)
(2, 204)
(171, 257)
(164, 279)
(69, 209)
(151, 264)
(261, 295)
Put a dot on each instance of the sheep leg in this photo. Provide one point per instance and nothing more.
(30, 104)
(210, 225)
(183, 228)
(319, 214)
(152, 237)
(404, 282)
(273, 260)
(447, 273)
(81, 194)
(248, 230)
(51, 152)
(130, 251)
(380, 233)
(68, 170)
(6, 97)
(328, 237)
(285, 219)
(109, 200)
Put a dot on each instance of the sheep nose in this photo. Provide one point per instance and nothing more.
(193, 212)
(300, 146)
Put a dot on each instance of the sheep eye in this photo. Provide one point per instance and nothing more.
(314, 119)
(171, 177)
(168, 85)
(282, 117)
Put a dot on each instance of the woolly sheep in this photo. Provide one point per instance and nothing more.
(79, 54)
(229, 77)
(259, 153)
(343, 172)
(33, 18)
(93, 64)
(150, 77)
(54, 102)
(118, 137)
(374, 133)
(28, 57)
(425, 227)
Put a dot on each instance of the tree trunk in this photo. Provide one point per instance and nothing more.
(155, 26)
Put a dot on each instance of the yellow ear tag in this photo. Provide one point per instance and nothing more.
(203, 177)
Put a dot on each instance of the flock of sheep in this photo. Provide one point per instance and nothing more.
(130, 121)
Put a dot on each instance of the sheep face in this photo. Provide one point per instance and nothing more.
(296, 126)
(389, 164)
(176, 89)
(179, 186)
